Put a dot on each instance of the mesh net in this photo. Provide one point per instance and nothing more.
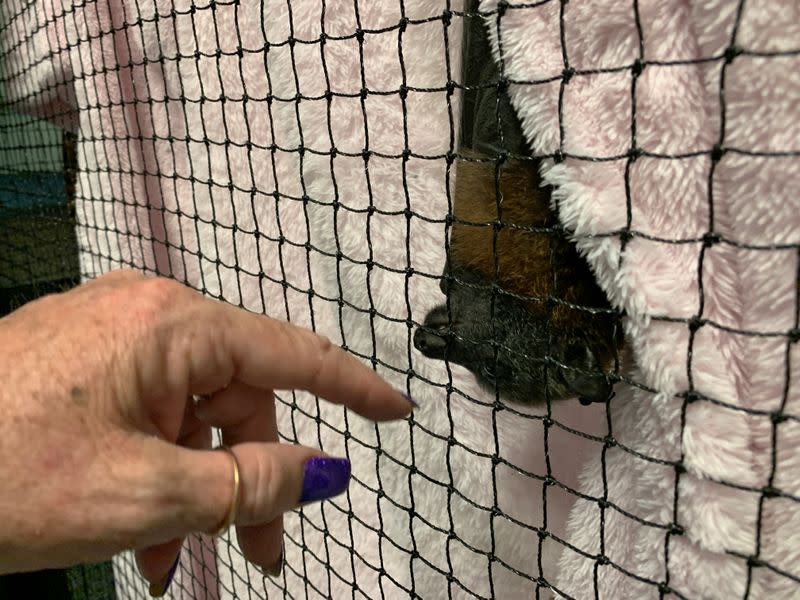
(272, 156)
(38, 249)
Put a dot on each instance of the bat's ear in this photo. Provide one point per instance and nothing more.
(586, 378)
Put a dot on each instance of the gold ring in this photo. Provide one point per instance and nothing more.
(233, 510)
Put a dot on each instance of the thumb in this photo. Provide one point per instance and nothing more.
(278, 477)
(274, 478)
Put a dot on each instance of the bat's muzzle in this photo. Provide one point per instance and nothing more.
(434, 336)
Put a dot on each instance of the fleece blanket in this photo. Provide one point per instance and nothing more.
(191, 117)
(693, 108)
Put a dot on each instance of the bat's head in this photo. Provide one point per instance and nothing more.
(513, 348)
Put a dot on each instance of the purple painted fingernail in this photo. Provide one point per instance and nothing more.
(277, 567)
(410, 400)
(159, 588)
(324, 477)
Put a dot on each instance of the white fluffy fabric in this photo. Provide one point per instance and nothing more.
(745, 285)
(195, 190)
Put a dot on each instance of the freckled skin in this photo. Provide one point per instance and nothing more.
(519, 322)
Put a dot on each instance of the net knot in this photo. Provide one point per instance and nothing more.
(754, 561)
(692, 397)
(778, 417)
(731, 53)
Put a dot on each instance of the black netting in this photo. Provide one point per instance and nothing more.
(323, 162)
(38, 249)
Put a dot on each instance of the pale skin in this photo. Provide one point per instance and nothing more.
(102, 448)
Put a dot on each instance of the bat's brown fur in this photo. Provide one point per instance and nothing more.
(498, 252)
(518, 255)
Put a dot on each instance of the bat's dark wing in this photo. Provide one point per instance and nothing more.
(488, 121)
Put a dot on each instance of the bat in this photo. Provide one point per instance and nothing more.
(524, 312)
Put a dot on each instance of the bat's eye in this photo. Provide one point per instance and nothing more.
(578, 355)
(489, 374)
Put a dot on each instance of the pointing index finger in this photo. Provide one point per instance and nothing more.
(271, 354)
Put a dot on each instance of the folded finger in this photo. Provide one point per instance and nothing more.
(158, 563)
(243, 412)
(247, 414)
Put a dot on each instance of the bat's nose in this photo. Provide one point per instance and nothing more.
(429, 343)
(432, 338)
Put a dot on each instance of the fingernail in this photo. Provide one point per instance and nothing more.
(159, 588)
(324, 477)
(276, 567)
(410, 400)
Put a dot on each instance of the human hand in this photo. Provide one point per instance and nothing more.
(103, 450)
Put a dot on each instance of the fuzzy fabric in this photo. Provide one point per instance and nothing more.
(742, 290)
(187, 169)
